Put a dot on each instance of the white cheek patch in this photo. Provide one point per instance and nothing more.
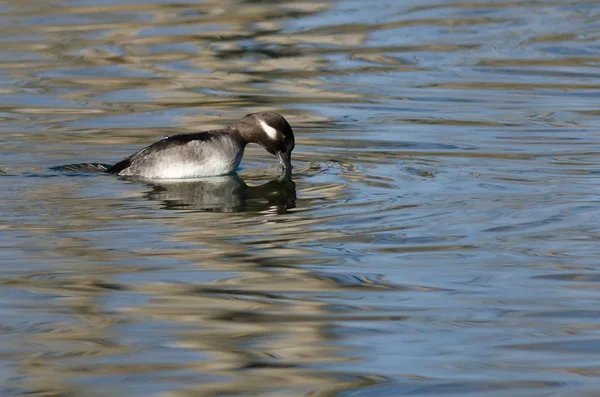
(270, 131)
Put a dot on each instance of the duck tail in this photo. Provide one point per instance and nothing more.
(82, 167)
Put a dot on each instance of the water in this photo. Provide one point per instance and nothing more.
(440, 235)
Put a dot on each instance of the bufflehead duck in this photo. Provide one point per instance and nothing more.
(210, 153)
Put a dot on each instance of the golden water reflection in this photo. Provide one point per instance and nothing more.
(438, 237)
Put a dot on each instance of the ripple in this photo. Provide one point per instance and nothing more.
(439, 235)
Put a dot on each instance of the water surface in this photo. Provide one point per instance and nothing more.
(440, 236)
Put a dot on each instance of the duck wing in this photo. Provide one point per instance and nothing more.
(165, 143)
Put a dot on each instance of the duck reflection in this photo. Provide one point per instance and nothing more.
(224, 194)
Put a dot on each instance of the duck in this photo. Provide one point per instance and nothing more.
(210, 153)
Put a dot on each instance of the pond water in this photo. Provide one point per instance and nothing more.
(440, 235)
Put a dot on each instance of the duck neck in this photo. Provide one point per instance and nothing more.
(247, 132)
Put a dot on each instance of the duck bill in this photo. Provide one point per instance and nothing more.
(285, 158)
